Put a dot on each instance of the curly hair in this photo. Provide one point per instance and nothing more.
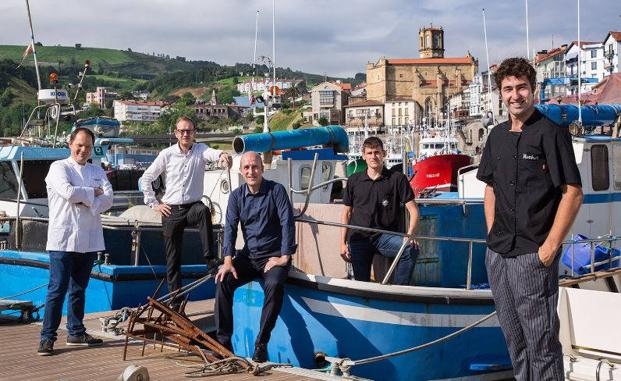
(516, 67)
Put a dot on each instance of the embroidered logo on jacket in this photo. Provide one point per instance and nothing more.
(530, 156)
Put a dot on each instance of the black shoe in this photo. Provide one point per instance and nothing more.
(260, 353)
(46, 348)
(84, 340)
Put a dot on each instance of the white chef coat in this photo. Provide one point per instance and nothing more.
(184, 174)
(74, 220)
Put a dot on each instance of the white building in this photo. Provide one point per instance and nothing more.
(402, 112)
(550, 64)
(328, 100)
(259, 86)
(612, 47)
(459, 104)
(490, 100)
(370, 113)
(475, 90)
(592, 64)
(136, 111)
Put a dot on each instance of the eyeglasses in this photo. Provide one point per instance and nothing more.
(185, 132)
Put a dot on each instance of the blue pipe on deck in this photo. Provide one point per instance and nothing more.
(592, 115)
(334, 136)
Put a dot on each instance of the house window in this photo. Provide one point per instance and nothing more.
(593, 53)
(326, 97)
(599, 167)
(593, 65)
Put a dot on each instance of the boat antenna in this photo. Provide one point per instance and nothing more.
(579, 70)
(489, 73)
(32, 44)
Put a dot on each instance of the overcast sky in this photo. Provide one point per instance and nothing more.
(317, 36)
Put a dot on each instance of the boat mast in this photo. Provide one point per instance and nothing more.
(489, 74)
(579, 70)
(527, 42)
(34, 51)
(274, 46)
(254, 55)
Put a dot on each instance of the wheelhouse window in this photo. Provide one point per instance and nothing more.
(600, 178)
(616, 166)
(8, 181)
(304, 177)
(326, 173)
(34, 177)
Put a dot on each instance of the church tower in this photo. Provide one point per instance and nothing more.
(431, 42)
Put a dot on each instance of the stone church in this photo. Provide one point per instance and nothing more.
(428, 81)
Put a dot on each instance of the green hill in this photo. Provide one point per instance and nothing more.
(102, 59)
(50, 55)
(284, 120)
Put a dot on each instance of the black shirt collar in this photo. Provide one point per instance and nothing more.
(384, 175)
(532, 119)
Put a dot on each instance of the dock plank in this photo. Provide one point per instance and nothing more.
(19, 360)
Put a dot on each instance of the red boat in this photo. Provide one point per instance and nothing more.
(438, 173)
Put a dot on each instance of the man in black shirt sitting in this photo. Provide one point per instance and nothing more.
(376, 198)
(532, 197)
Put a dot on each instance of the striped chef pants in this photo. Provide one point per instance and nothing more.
(526, 294)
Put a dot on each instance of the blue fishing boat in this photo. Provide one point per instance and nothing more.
(440, 327)
(133, 265)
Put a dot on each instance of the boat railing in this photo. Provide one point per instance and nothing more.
(137, 228)
(469, 241)
(608, 240)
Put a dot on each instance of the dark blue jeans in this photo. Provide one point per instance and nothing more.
(249, 269)
(362, 251)
(68, 272)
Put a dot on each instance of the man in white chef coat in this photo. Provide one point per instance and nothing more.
(77, 193)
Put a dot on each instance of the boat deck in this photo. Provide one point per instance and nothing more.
(18, 345)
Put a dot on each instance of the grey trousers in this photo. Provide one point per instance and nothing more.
(526, 294)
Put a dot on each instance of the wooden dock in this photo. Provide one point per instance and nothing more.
(19, 360)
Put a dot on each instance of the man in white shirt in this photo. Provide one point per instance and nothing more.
(77, 193)
(184, 166)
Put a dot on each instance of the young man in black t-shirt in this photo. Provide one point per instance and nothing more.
(376, 198)
(532, 197)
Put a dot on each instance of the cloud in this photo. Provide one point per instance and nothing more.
(321, 36)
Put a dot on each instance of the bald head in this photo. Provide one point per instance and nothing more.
(250, 156)
(251, 169)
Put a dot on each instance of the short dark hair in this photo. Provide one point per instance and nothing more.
(76, 131)
(516, 67)
(372, 142)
